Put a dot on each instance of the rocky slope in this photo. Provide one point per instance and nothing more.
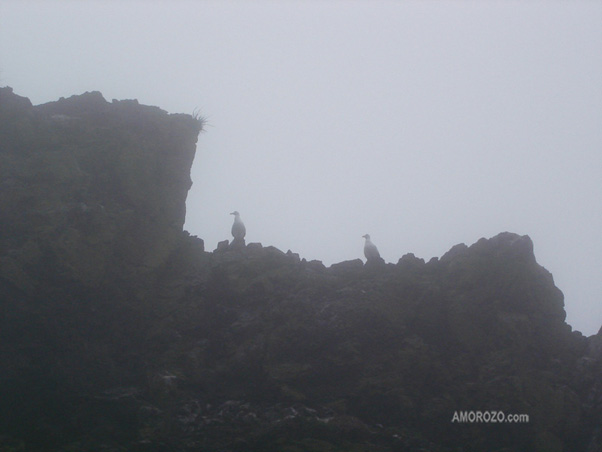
(119, 332)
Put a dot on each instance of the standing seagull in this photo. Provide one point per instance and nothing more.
(238, 229)
(370, 250)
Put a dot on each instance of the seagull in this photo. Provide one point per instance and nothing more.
(238, 228)
(370, 250)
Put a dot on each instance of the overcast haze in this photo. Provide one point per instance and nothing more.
(424, 124)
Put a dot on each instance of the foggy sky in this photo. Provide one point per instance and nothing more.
(424, 124)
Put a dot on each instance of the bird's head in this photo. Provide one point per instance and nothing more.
(235, 213)
(366, 236)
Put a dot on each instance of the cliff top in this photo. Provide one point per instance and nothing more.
(112, 312)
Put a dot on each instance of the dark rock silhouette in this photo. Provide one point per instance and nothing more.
(222, 246)
(119, 332)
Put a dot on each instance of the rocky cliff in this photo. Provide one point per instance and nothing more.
(119, 332)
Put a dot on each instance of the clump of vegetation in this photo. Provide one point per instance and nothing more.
(198, 117)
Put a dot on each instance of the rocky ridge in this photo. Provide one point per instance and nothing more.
(118, 331)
